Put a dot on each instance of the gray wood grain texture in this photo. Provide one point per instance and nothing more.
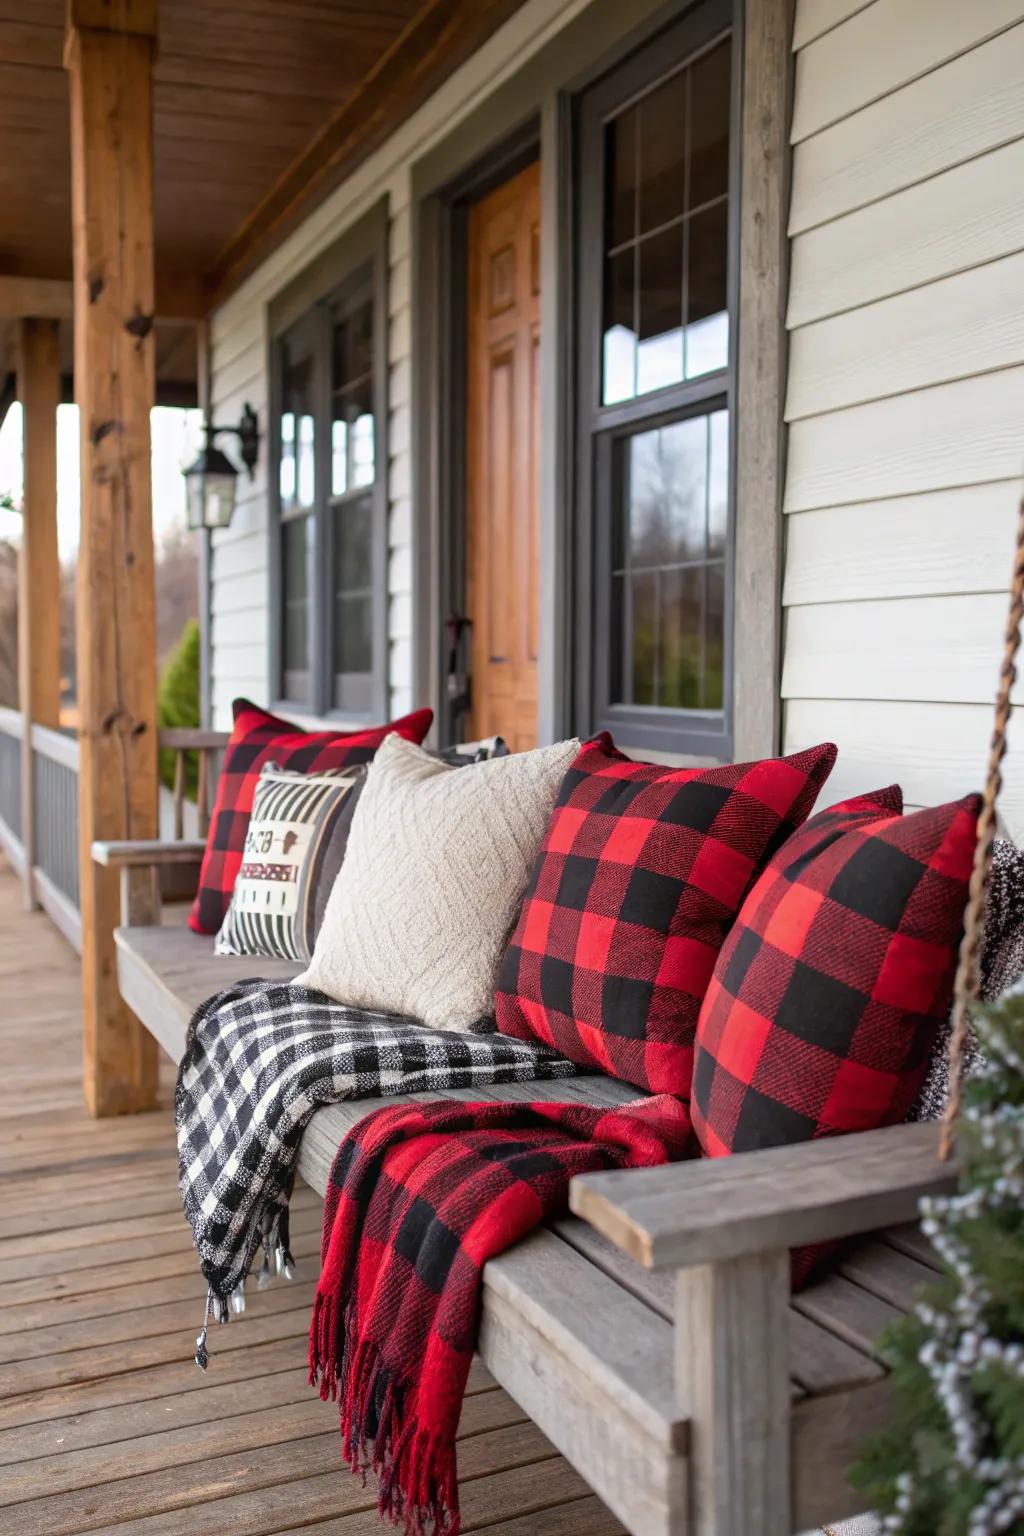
(732, 1372)
(166, 972)
(723, 1208)
(593, 1368)
(140, 894)
(820, 1359)
(761, 376)
(828, 1437)
(581, 1336)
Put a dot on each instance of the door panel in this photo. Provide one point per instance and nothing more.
(502, 459)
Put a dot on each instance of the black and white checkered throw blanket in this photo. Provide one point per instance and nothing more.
(259, 1059)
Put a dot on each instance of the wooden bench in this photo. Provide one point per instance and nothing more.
(651, 1335)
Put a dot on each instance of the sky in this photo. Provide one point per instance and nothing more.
(176, 439)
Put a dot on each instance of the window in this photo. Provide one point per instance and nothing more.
(656, 156)
(331, 585)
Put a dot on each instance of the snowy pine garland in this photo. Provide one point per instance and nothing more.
(951, 1461)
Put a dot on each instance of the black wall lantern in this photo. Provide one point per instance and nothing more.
(210, 483)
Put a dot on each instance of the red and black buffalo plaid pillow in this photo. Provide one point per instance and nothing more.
(258, 738)
(639, 878)
(827, 995)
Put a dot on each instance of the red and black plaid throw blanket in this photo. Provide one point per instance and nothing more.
(421, 1195)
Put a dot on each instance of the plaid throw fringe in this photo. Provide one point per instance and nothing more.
(421, 1196)
(259, 1059)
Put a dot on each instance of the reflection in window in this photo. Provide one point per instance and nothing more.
(352, 426)
(668, 575)
(287, 473)
(297, 439)
(666, 199)
(353, 472)
(296, 586)
(362, 450)
(329, 498)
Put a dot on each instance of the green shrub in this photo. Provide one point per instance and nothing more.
(178, 704)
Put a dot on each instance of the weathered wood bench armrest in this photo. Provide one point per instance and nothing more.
(702, 1212)
(147, 853)
(149, 867)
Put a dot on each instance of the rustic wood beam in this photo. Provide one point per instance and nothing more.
(437, 39)
(109, 54)
(38, 364)
(179, 296)
(761, 376)
(44, 298)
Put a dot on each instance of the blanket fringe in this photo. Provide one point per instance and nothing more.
(416, 1471)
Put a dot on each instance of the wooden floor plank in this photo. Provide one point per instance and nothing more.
(72, 1278)
(72, 1307)
(262, 1424)
(132, 1387)
(258, 1326)
(540, 1500)
(261, 1378)
(106, 1426)
(138, 1326)
(167, 1502)
(127, 1250)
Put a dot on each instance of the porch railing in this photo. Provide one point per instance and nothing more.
(10, 785)
(47, 861)
(54, 848)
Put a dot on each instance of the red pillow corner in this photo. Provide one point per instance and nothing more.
(640, 875)
(258, 737)
(829, 991)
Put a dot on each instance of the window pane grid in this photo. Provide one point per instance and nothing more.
(666, 222)
(668, 566)
(676, 223)
(353, 469)
(353, 456)
(327, 499)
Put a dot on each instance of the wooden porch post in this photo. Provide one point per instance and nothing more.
(38, 364)
(109, 52)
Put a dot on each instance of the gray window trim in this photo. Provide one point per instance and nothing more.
(540, 92)
(361, 253)
(451, 213)
(546, 87)
(699, 733)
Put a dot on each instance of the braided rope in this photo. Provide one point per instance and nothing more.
(967, 984)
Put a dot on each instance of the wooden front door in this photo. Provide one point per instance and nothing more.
(502, 490)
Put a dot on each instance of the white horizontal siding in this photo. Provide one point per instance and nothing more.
(883, 47)
(818, 16)
(953, 114)
(953, 434)
(904, 546)
(895, 346)
(937, 650)
(240, 657)
(936, 752)
(971, 214)
(905, 395)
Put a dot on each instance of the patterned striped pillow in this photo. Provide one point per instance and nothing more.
(294, 846)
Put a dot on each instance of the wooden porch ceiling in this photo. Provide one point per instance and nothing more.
(261, 107)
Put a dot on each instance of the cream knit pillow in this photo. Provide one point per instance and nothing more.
(436, 865)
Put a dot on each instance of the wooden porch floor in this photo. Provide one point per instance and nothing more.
(105, 1423)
